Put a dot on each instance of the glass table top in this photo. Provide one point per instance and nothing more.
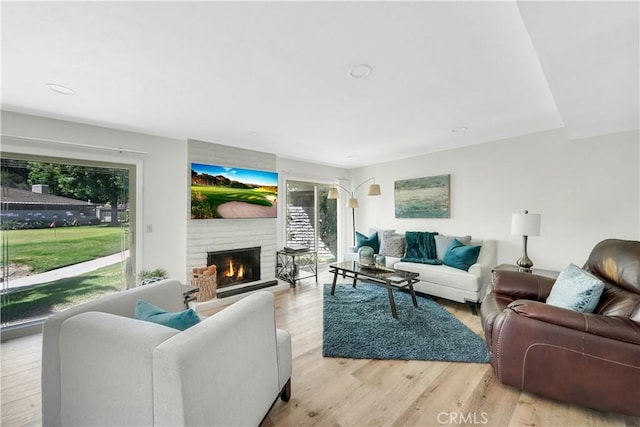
(381, 273)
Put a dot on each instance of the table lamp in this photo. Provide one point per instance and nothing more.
(525, 224)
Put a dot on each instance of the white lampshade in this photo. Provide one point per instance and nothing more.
(525, 224)
(374, 190)
(352, 203)
(333, 194)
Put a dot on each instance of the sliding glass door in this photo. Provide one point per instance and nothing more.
(65, 234)
(312, 219)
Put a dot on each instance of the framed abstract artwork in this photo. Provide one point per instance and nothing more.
(427, 197)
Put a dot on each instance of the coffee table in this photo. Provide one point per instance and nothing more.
(387, 277)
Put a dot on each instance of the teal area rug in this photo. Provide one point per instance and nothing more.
(357, 324)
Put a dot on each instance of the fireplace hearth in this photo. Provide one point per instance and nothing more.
(236, 266)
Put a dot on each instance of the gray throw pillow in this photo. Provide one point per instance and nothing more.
(381, 232)
(392, 244)
(443, 242)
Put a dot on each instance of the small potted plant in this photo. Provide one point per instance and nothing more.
(149, 276)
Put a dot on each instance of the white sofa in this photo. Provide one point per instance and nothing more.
(101, 366)
(451, 283)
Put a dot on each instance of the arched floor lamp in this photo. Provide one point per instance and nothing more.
(352, 202)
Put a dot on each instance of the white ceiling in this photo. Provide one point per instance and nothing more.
(273, 76)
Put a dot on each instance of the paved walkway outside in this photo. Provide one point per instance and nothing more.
(70, 271)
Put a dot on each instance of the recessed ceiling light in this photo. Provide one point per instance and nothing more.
(60, 89)
(459, 129)
(360, 71)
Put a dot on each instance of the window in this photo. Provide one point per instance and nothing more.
(312, 219)
(65, 234)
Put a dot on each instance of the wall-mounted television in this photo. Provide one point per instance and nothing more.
(228, 192)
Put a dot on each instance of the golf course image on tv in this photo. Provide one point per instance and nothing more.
(227, 192)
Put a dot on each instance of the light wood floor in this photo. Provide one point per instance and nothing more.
(349, 392)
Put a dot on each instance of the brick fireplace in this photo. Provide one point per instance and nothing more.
(221, 235)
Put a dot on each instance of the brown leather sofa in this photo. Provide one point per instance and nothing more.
(590, 359)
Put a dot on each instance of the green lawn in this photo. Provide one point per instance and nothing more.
(48, 248)
(41, 300)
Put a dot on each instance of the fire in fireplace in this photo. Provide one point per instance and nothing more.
(237, 273)
(236, 266)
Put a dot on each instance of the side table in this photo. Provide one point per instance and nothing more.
(292, 266)
(540, 272)
(188, 292)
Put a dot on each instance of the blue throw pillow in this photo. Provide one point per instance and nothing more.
(576, 290)
(460, 256)
(371, 241)
(180, 320)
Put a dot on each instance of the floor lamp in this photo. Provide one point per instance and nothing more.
(352, 202)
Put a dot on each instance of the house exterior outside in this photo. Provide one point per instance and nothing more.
(39, 209)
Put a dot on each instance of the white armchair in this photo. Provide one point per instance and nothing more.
(106, 368)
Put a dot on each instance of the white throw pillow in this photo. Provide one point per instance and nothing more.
(576, 289)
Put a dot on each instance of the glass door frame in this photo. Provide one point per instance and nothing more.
(135, 168)
(315, 183)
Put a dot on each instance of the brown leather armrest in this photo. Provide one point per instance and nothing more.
(618, 328)
(522, 285)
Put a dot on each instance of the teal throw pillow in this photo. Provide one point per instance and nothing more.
(371, 241)
(180, 320)
(443, 241)
(461, 256)
(576, 289)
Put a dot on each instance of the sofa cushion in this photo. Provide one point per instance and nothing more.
(179, 320)
(443, 242)
(392, 244)
(443, 275)
(461, 256)
(371, 241)
(576, 290)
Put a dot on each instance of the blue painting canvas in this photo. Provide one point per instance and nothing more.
(426, 197)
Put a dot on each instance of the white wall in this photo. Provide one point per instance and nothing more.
(162, 202)
(163, 182)
(586, 190)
